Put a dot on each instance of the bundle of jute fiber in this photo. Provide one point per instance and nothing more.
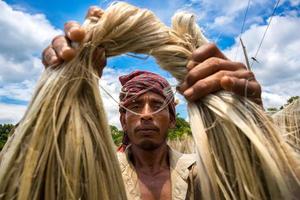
(62, 148)
(288, 120)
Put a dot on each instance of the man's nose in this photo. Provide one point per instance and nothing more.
(147, 112)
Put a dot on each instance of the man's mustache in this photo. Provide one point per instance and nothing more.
(146, 128)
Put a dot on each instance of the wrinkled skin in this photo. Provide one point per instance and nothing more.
(208, 71)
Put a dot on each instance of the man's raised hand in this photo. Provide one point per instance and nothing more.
(209, 71)
(61, 50)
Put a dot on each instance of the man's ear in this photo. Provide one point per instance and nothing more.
(123, 121)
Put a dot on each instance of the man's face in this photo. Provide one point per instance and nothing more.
(147, 130)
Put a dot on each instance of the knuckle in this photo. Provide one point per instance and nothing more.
(212, 46)
(214, 61)
(196, 54)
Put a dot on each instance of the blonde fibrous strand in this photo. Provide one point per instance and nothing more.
(62, 148)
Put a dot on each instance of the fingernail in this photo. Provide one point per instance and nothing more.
(68, 54)
(76, 34)
(189, 93)
(62, 50)
(73, 28)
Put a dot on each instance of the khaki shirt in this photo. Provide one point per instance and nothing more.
(182, 167)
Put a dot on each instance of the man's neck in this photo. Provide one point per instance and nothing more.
(150, 161)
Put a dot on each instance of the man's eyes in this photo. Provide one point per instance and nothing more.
(154, 106)
(134, 106)
(157, 105)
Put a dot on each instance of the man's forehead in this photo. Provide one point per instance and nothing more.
(152, 96)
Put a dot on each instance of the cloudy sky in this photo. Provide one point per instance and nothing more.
(27, 27)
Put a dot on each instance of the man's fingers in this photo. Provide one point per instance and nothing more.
(62, 48)
(74, 31)
(242, 86)
(201, 89)
(208, 68)
(228, 80)
(94, 11)
(49, 57)
(204, 52)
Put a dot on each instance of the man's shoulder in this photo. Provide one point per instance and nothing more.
(181, 162)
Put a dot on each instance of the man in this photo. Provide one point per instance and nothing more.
(150, 169)
(161, 172)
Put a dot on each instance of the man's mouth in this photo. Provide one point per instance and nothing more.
(147, 130)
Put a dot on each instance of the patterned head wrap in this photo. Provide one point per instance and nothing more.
(138, 83)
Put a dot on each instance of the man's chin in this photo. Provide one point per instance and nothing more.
(148, 145)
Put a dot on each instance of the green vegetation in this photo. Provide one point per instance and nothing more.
(289, 101)
(117, 135)
(4, 133)
(182, 128)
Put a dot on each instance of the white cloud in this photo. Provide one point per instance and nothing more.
(13, 71)
(227, 16)
(11, 113)
(109, 81)
(20, 91)
(279, 58)
(24, 33)
(293, 2)
(223, 20)
(23, 36)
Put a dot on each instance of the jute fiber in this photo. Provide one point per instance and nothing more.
(288, 120)
(63, 149)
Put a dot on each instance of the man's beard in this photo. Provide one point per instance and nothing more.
(148, 145)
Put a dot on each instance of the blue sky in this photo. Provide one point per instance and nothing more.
(27, 27)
